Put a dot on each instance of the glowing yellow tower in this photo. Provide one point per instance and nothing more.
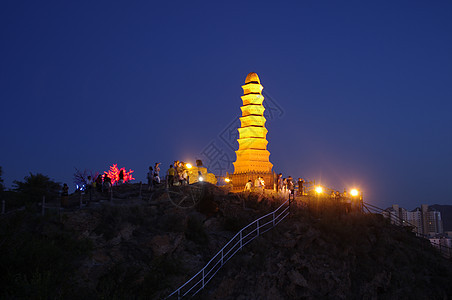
(252, 155)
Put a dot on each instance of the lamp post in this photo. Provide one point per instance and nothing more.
(318, 191)
(354, 193)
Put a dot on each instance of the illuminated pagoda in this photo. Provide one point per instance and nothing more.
(252, 155)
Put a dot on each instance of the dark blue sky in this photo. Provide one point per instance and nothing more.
(364, 89)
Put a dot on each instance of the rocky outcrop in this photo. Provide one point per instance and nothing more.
(146, 248)
(348, 257)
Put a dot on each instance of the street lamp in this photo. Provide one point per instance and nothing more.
(355, 193)
(318, 190)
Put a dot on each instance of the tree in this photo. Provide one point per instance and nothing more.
(81, 178)
(36, 186)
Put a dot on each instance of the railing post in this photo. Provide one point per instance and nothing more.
(203, 278)
(241, 240)
(43, 205)
(257, 227)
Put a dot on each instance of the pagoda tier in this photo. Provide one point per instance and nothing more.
(252, 120)
(252, 155)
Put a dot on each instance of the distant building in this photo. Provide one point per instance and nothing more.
(414, 218)
(426, 221)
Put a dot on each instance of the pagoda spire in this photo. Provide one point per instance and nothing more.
(252, 155)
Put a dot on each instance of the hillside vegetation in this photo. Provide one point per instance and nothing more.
(140, 249)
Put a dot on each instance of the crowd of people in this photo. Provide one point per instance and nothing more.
(177, 173)
(288, 184)
(343, 202)
(283, 185)
(259, 184)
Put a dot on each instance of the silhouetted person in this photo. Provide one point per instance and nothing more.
(291, 185)
(89, 188)
(300, 186)
(280, 182)
(157, 171)
(64, 195)
(107, 183)
(170, 175)
(150, 177)
(121, 177)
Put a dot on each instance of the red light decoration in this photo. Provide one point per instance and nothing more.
(113, 173)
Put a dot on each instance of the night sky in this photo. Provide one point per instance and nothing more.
(358, 93)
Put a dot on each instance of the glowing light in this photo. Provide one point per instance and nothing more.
(189, 166)
(227, 179)
(354, 192)
(319, 190)
(200, 178)
(114, 171)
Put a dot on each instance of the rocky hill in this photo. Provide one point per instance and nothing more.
(144, 248)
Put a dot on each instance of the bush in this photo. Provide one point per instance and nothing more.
(195, 231)
(34, 187)
(36, 264)
(125, 281)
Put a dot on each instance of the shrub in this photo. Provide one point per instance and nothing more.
(195, 231)
(34, 264)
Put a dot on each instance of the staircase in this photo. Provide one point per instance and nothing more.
(240, 240)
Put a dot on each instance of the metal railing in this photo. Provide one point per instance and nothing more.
(444, 250)
(242, 238)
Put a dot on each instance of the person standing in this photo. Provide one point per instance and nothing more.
(121, 177)
(262, 182)
(150, 177)
(170, 175)
(64, 195)
(89, 188)
(182, 173)
(280, 182)
(99, 183)
(300, 186)
(107, 183)
(176, 173)
(290, 185)
(157, 170)
(257, 183)
(284, 185)
(248, 186)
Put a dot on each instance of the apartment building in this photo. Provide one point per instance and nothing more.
(426, 221)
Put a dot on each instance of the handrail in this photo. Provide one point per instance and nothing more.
(443, 249)
(242, 238)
